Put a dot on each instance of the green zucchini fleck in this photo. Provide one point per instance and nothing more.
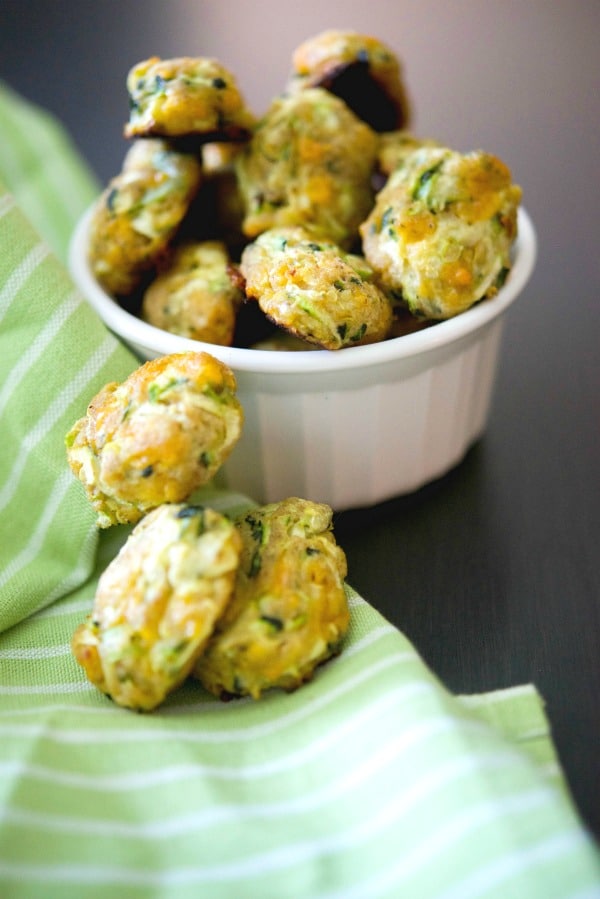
(193, 516)
(274, 624)
(360, 333)
(157, 391)
(387, 218)
(255, 564)
(220, 396)
(257, 527)
(422, 189)
(502, 276)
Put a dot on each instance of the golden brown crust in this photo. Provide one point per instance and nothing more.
(314, 290)
(358, 68)
(156, 437)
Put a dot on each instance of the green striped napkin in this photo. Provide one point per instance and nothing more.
(372, 780)
(51, 182)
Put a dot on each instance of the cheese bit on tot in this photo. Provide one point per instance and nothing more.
(156, 437)
(157, 603)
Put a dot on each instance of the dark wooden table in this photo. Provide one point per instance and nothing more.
(493, 571)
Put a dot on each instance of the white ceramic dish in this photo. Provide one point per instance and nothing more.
(353, 427)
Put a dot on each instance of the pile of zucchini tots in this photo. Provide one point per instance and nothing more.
(239, 605)
(325, 223)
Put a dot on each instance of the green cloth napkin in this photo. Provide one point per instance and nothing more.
(372, 780)
(51, 182)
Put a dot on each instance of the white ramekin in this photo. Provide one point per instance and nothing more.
(357, 426)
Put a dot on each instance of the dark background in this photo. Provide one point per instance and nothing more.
(493, 571)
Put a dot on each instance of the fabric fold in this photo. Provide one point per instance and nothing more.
(52, 183)
(372, 780)
(55, 354)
